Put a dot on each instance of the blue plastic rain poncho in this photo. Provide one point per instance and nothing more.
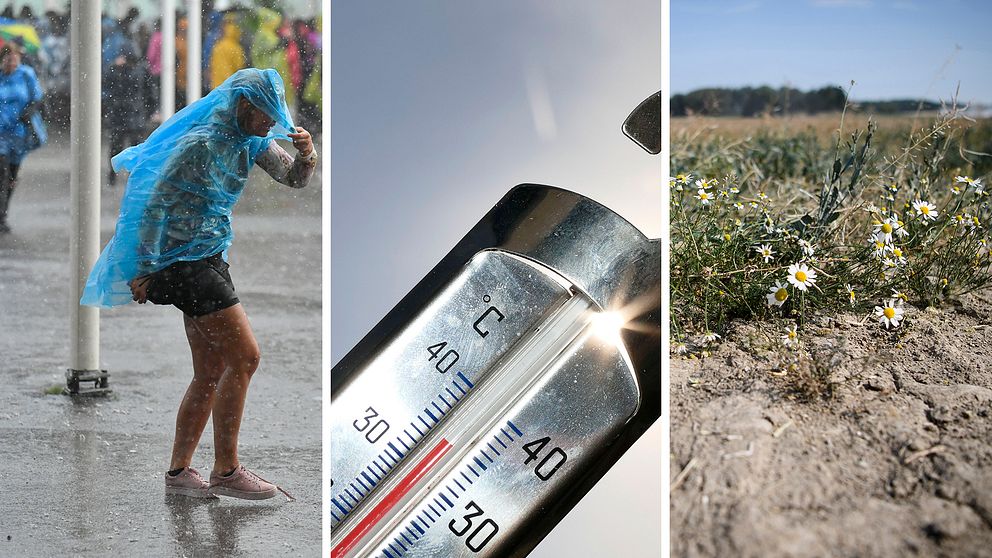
(185, 179)
(19, 89)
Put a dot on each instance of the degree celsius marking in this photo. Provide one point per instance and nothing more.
(417, 527)
(397, 448)
(487, 299)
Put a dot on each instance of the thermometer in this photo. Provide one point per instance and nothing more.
(478, 412)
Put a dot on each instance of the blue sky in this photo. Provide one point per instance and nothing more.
(891, 48)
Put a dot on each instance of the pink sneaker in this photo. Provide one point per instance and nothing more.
(242, 483)
(188, 483)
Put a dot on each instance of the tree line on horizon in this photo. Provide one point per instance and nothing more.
(768, 101)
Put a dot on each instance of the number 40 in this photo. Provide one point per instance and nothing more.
(552, 461)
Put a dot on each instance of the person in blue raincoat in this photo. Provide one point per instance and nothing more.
(21, 125)
(170, 245)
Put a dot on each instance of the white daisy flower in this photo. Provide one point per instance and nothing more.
(898, 255)
(896, 293)
(878, 246)
(766, 251)
(735, 190)
(705, 184)
(777, 295)
(738, 206)
(710, 337)
(807, 247)
(885, 229)
(801, 276)
(890, 314)
(872, 208)
(850, 293)
(960, 220)
(975, 183)
(791, 336)
(703, 196)
(901, 229)
(925, 210)
(680, 348)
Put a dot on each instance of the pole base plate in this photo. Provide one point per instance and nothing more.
(86, 382)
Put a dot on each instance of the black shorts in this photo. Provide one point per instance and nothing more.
(197, 288)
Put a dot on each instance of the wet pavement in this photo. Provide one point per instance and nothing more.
(84, 476)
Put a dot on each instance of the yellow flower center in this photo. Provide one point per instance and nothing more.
(792, 334)
(889, 313)
(703, 196)
(886, 228)
(781, 295)
(801, 276)
(897, 252)
(925, 210)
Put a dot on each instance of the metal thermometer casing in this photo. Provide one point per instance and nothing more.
(483, 406)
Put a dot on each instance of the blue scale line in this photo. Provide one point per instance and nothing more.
(453, 493)
(398, 553)
(362, 485)
(406, 447)
(417, 526)
(412, 534)
(387, 463)
(388, 555)
(464, 393)
(445, 498)
(441, 395)
(473, 470)
(480, 463)
(505, 433)
(428, 517)
(412, 439)
(350, 505)
(408, 541)
(395, 449)
(464, 379)
(381, 470)
(344, 511)
(414, 425)
(439, 504)
(368, 479)
(451, 393)
(515, 429)
(468, 480)
(399, 542)
(438, 408)
(460, 485)
(486, 455)
(336, 518)
(424, 421)
(430, 414)
(500, 441)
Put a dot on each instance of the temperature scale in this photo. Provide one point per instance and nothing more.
(501, 388)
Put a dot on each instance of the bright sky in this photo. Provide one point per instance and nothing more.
(891, 48)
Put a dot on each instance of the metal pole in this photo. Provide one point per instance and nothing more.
(84, 187)
(168, 83)
(194, 36)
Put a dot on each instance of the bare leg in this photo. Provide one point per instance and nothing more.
(231, 336)
(197, 404)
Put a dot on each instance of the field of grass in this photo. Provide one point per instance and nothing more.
(782, 218)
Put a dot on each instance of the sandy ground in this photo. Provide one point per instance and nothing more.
(84, 476)
(896, 462)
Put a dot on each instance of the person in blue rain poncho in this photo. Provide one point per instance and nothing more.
(170, 245)
(21, 126)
